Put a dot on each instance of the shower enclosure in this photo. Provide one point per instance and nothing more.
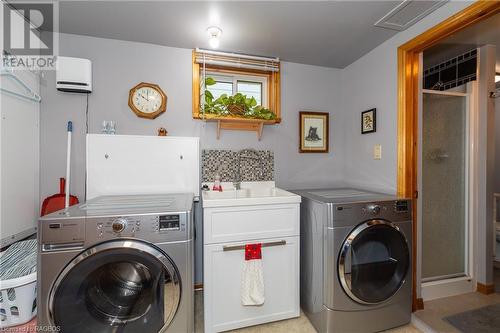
(444, 188)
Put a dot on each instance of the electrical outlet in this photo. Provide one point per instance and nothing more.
(377, 152)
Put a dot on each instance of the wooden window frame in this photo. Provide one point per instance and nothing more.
(408, 104)
(273, 92)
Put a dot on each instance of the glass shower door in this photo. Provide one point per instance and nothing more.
(444, 187)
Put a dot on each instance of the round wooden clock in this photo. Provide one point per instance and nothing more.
(147, 100)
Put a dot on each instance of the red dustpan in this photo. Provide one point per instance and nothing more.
(57, 201)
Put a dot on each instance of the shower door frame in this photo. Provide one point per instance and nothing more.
(453, 284)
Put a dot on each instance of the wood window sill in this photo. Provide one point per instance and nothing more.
(238, 123)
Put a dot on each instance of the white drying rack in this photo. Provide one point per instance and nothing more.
(29, 94)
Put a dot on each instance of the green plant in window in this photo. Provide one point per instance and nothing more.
(238, 105)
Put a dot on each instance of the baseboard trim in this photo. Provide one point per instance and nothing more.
(449, 287)
(419, 323)
(420, 304)
(485, 289)
(198, 286)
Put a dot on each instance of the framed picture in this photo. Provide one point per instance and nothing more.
(313, 132)
(369, 121)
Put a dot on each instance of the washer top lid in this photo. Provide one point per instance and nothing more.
(123, 205)
(345, 195)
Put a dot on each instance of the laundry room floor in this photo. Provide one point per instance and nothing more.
(295, 325)
(436, 310)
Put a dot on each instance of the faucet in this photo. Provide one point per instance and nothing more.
(245, 153)
(237, 184)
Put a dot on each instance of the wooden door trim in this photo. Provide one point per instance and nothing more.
(408, 70)
(485, 289)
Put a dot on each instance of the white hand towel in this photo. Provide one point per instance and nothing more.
(252, 281)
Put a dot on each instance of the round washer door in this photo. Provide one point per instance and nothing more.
(116, 286)
(373, 262)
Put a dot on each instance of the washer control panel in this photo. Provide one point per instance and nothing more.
(345, 214)
(167, 226)
(398, 207)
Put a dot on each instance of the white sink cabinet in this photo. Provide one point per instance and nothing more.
(258, 213)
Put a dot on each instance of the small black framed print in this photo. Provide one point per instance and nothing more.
(369, 121)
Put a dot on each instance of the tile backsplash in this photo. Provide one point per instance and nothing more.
(255, 165)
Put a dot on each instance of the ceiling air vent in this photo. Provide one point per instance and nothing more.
(408, 13)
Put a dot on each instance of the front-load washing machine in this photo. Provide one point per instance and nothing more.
(355, 260)
(118, 264)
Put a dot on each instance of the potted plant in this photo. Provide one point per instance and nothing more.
(237, 105)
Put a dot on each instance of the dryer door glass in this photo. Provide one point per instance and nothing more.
(373, 262)
(118, 286)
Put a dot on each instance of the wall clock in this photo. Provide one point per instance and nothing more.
(147, 100)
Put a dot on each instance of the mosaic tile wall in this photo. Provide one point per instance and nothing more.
(255, 165)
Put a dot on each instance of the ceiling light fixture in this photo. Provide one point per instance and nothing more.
(214, 34)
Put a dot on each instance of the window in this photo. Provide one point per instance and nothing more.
(252, 76)
(221, 87)
(251, 89)
(251, 86)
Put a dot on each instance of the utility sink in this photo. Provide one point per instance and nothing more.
(251, 193)
(256, 213)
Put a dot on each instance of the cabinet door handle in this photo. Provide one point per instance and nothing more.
(242, 247)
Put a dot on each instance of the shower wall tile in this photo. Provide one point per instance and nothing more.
(254, 165)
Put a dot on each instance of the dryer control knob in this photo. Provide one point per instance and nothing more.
(373, 209)
(119, 225)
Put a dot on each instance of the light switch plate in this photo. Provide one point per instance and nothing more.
(377, 152)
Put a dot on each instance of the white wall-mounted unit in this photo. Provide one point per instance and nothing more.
(408, 13)
(74, 75)
(134, 164)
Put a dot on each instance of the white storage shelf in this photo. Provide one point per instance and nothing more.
(233, 226)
